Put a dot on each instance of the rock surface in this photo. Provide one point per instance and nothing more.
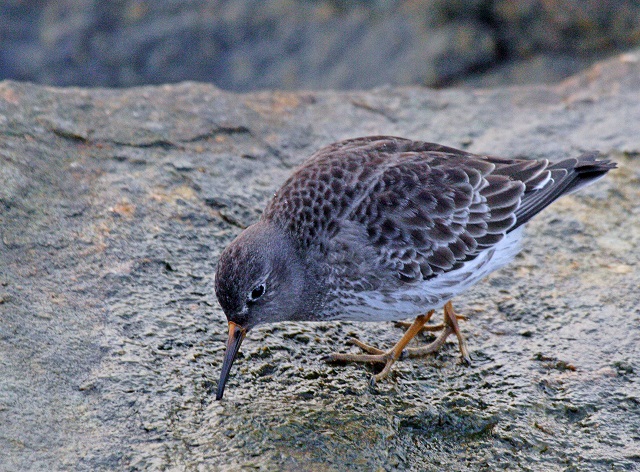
(246, 45)
(114, 206)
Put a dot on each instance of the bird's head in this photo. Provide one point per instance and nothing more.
(260, 279)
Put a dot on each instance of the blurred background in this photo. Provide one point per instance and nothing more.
(243, 45)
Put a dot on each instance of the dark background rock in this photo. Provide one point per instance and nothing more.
(300, 44)
(114, 206)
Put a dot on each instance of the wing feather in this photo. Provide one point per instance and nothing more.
(419, 209)
(437, 212)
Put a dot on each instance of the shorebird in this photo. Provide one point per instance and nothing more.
(382, 229)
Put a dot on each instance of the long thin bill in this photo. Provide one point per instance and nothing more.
(236, 336)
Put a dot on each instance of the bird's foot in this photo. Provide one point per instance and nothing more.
(430, 348)
(378, 356)
(448, 326)
(388, 358)
(374, 356)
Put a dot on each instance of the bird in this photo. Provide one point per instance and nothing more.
(383, 228)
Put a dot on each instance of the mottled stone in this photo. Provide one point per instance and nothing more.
(111, 339)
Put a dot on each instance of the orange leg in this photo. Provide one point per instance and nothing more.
(376, 355)
(388, 358)
(450, 327)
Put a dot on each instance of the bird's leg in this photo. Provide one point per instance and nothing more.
(428, 328)
(453, 317)
(378, 356)
(450, 327)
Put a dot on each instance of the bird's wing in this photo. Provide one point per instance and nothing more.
(314, 200)
(424, 208)
(430, 212)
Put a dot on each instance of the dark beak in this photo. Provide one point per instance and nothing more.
(236, 336)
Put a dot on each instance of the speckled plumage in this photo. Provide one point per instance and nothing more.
(382, 228)
(384, 213)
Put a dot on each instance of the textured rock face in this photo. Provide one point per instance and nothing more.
(246, 45)
(114, 206)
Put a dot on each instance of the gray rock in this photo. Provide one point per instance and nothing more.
(246, 45)
(114, 205)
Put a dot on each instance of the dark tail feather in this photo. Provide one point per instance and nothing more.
(568, 176)
(586, 170)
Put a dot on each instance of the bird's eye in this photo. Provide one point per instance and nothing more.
(256, 293)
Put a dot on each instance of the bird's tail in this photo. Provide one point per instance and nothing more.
(582, 171)
(567, 176)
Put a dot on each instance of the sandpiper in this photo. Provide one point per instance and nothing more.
(383, 229)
